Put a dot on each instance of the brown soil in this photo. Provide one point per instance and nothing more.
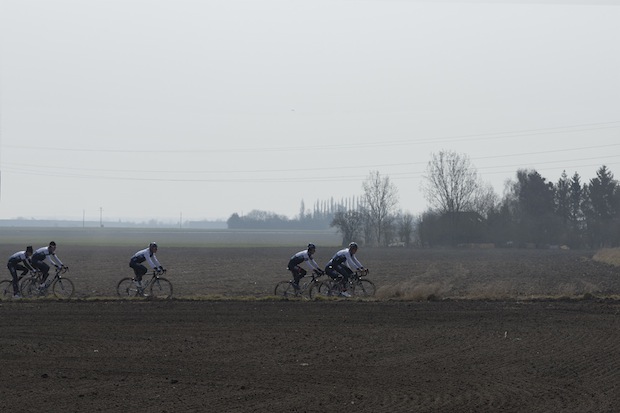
(486, 343)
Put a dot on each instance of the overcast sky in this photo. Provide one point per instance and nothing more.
(157, 109)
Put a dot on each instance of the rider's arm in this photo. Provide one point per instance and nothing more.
(28, 263)
(353, 263)
(313, 264)
(149, 259)
(55, 260)
(156, 261)
(153, 262)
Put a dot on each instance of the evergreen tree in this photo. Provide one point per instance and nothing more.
(535, 208)
(576, 195)
(601, 209)
(562, 206)
(562, 198)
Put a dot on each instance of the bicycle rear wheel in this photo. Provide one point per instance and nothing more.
(6, 289)
(127, 288)
(161, 288)
(285, 289)
(62, 288)
(363, 288)
(327, 288)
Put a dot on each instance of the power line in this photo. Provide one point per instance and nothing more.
(288, 170)
(358, 145)
(289, 179)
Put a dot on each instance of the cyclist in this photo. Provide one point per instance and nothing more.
(20, 261)
(299, 272)
(43, 253)
(343, 263)
(148, 255)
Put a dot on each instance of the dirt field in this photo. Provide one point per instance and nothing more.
(398, 273)
(504, 330)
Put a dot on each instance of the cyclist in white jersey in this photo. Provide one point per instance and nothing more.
(302, 256)
(20, 261)
(344, 263)
(46, 253)
(148, 255)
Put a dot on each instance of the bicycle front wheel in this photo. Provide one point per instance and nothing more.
(126, 288)
(363, 288)
(63, 288)
(315, 290)
(161, 288)
(29, 288)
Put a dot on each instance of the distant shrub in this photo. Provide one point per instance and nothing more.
(608, 256)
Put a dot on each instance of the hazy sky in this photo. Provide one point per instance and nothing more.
(153, 109)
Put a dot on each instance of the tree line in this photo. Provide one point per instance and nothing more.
(462, 209)
(533, 211)
(320, 217)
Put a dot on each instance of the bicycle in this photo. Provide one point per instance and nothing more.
(356, 287)
(286, 288)
(157, 287)
(61, 287)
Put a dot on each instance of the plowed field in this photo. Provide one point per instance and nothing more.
(450, 331)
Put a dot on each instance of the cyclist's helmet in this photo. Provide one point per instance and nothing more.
(353, 245)
(29, 248)
(311, 246)
(153, 245)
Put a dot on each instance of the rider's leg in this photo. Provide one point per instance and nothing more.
(139, 270)
(43, 267)
(345, 272)
(298, 274)
(13, 272)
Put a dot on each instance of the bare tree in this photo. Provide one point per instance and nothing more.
(451, 183)
(405, 227)
(380, 199)
(349, 224)
(485, 199)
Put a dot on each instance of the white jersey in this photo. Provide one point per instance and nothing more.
(146, 255)
(44, 253)
(20, 257)
(302, 256)
(344, 256)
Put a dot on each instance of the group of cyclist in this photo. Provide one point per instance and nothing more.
(343, 263)
(31, 260)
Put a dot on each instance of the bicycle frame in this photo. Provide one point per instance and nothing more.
(154, 277)
(314, 276)
(61, 287)
(36, 277)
